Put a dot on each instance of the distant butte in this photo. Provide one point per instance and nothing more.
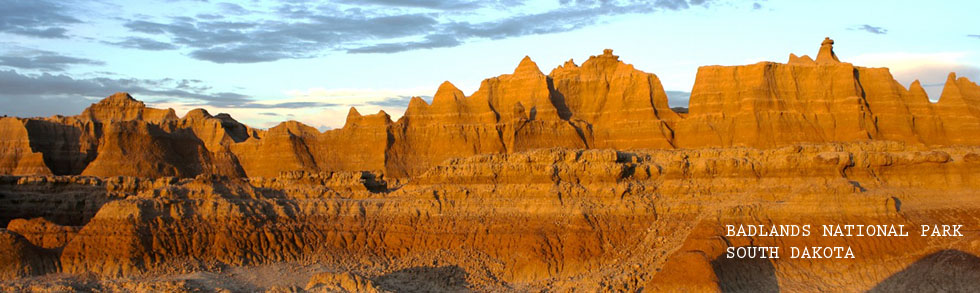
(603, 103)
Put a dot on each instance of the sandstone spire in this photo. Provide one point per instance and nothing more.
(352, 115)
(527, 66)
(826, 55)
(447, 92)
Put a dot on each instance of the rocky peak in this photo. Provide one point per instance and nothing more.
(119, 98)
(604, 62)
(447, 92)
(197, 114)
(527, 67)
(353, 115)
(416, 106)
(803, 60)
(960, 90)
(570, 64)
(826, 54)
(355, 118)
(122, 107)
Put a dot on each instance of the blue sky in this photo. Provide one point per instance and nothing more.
(269, 61)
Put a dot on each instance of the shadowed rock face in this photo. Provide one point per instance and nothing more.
(604, 103)
(946, 270)
(744, 275)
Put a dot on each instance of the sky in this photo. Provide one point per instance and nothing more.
(265, 62)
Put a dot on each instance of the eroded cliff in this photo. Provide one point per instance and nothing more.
(602, 104)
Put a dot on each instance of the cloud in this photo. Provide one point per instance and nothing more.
(392, 101)
(428, 4)
(396, 102)
(144, 44)
(430, 42)
(286, 105)
(35, 18)
(298, 30)
(871, 29)
(43, 60)
(678, 98)
(47, 94)
(50, 94)
(241, 42)
(232, 8)
(974, 36)
(756, 6)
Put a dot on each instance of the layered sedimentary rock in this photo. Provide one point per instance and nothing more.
(43, 233)
(624, 108)
(959, 110)
(602, 104)
(107, 136)
(18, 157)
(770, 104)
(122, 107)
(452, 126)
(550, 219)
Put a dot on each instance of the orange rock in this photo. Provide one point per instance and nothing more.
(453, 126)
(959, 110)
(624, 107)
(122, 107)
(768, 104)
(826, 54)
(281, 148)
(17, 156)
(604, 103)
(340, 282)
(43, 233)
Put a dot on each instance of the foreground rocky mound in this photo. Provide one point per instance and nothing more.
(549, 219)
(603, 103)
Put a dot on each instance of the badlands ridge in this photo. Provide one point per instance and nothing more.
(602, 104)
(583, 179)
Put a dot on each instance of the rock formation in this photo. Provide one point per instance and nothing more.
(344, 283)
(43, 233)
(604, 103)
(826, 54)
(18, 158)
(621, 107)
(769, 104)
(579, 180)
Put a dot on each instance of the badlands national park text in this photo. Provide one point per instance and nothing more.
(833, 230)
(841, 230)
